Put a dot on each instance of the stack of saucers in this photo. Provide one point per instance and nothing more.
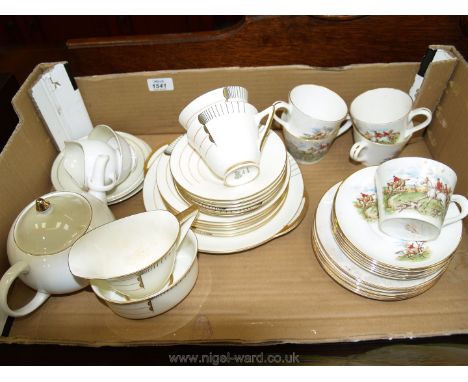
(231, 219)
(353, 250)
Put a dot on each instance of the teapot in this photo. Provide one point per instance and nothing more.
(39, 243)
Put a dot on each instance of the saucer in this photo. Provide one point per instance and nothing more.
(183, 279)
(356, 215)
(342, 267)
(192, 174)
(286, 219)
(169, 193)
(128, 188)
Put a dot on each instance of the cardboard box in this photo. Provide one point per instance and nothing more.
(272, 294)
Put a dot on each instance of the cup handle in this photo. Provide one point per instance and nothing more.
(463, 204)
(5, 283)
(356, 150)
(413, 113)
(281, 105)
(345, 126)
(96, 181)
(264, 129)
(185, 219)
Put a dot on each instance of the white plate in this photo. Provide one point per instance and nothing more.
(166, 187)
(149, 184)
(193, 175)
(128, 188)
(360, 226)
(211, 244)
(340, 259)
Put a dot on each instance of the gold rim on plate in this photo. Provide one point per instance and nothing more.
(377, 267)
(373, 264)
(368, 284)
(362, 288)
(268, 190)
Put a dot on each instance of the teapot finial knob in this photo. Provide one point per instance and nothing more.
(42, 205)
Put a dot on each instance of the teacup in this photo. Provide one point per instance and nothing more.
(92, 164)
(126, 158)
(314, 111)
(229, 137)
(413, 195)
(306, 150)
(195, 107)
(385, 115)
(372, 153)
(39, 243)
(135, 255)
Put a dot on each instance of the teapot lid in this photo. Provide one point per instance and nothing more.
(52, 223)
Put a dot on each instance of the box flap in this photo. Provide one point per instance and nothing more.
(25, 161)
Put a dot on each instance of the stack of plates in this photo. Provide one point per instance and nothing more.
(231, 219)
(62, 181)
(354, 252)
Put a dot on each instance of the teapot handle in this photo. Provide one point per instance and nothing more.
(5, 283)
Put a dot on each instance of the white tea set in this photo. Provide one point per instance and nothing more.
(229, 185)
(230, 165)
(234, 170)
(68, 239)
(106, 164)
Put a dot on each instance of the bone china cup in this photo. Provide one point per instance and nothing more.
(372, 153)
(385, 115)
(315, 112)
(229, 137)
(134, 255)
(306, 150)
(413, 196)
(92, 164)
(195, 107)
(126, 158)
(39, 243)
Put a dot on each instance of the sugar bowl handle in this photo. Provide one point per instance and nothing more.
(5, 283)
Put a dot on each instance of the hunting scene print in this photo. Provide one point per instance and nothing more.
(426, 196)
(319, 133)
(309, 151)
(414, 251)
(385, 136)
(366, 204)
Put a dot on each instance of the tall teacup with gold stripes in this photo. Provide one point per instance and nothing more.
(229, 136)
